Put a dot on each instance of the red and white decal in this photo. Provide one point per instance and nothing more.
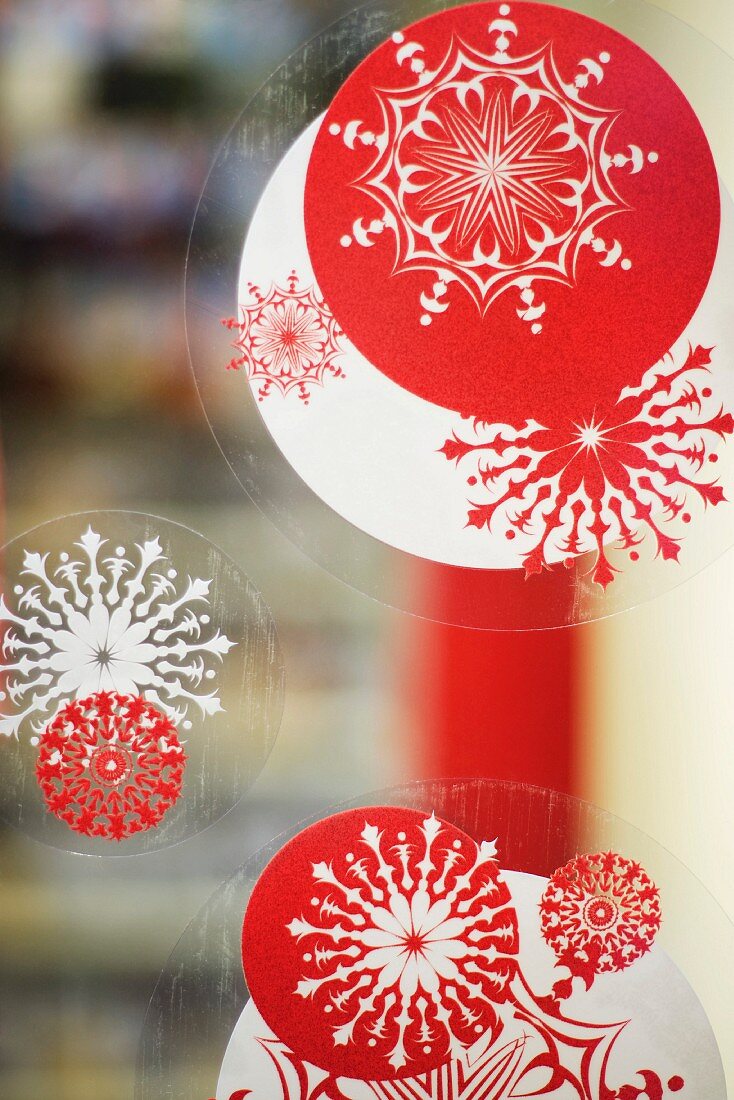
(402, 942)
(512, 211)
(389, 957)
(107, 652)
(507, 237)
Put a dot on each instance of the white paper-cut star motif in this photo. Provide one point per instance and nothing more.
(413, 946)
(105, 620)
(492, 174)
(491, 171)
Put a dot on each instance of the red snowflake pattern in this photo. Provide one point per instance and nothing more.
(288, 340)
(600, 914)
(541, 1060)
(110, 765)
(581, 487)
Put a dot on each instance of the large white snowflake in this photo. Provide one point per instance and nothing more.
(107, 621)
(491, 171)
(412, 945)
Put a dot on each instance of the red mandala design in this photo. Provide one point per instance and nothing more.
(512, 210)
(110, 765)
(380, 942)
(493, 1076)
(543, 1056)
(288, 340)
(585, 486)
(600, 914)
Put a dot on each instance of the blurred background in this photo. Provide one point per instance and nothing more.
(111, 112)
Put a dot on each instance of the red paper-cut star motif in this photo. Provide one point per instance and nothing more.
(576, 487)
(600, 914)
(288, 340)
(110, 765)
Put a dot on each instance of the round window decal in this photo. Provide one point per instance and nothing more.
(448, 941)
(476, 353)
(141, 683)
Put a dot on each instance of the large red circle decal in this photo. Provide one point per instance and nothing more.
(380, 942)
(512, 211)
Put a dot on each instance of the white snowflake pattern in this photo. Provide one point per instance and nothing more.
(94, 623)
(411, 945)
(491, 171)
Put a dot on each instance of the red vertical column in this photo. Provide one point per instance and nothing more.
(495, 704)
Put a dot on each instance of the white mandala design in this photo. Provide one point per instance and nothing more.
(107, 621)
(413, 944)
(491, 172)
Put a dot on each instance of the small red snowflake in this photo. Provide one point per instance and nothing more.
(288, 340)
(599, 913)
(110, 765)
(577, 487)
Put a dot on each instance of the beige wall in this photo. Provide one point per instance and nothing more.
(659, 703)
(714, 18)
